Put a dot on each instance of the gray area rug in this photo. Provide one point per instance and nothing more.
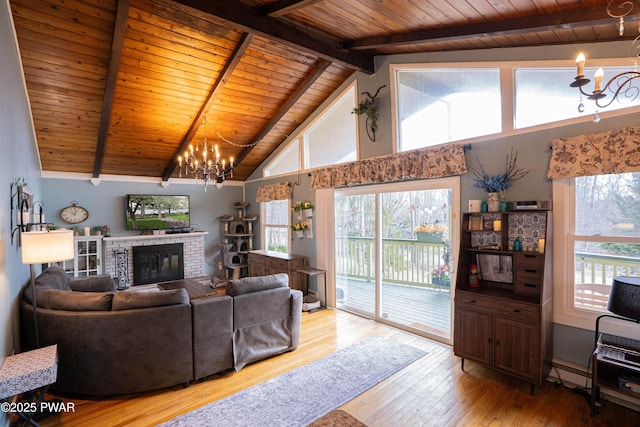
(301, 396)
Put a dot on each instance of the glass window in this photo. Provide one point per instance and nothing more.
(333, 138)
(435, 106)
(287, 161)
(543, 95)
(276, 225)
(607, 227)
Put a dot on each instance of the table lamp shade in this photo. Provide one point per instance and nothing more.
(624, 298)
(39, 247)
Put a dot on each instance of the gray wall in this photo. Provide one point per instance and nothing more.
(570, 344)
(106, 205)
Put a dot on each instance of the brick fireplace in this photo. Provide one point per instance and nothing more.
(192, 248)
(157, 263)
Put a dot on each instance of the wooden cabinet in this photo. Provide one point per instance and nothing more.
(270, 262)
(88, 257)
(505, 322)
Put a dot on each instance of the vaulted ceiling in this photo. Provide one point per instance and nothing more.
(122, 87)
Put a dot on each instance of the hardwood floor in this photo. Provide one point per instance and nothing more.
(433, 391)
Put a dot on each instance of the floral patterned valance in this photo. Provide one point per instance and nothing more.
(271, 192)
(418, 164)
(615, 151)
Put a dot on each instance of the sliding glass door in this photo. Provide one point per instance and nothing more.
(393, 253)
(355, 252)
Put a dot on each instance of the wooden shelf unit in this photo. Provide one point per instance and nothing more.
(506, 322)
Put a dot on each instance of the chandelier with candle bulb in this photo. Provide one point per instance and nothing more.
(621, 87)
(204, 163)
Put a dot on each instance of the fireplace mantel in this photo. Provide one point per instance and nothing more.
(193, 244)
(155, 236)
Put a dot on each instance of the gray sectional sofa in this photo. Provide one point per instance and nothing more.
(119, 342)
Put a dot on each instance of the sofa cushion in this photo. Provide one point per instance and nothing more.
(53, 277)
(258, 283)
(127, 300)
(96, 283)
(79, 301)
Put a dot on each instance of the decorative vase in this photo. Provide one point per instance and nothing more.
(493, 202)
(308, 213)
(299, 234)
(503, 205)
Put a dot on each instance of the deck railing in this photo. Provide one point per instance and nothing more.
(411, 262)
(404, 261)
(594, 274)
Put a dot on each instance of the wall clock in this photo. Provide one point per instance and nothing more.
(74, 214)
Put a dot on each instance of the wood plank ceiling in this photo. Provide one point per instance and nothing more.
(122, 87)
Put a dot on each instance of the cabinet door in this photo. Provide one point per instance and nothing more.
(517, 348)
(473, 336)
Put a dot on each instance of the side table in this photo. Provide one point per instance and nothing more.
(33, 370)
(314, 272)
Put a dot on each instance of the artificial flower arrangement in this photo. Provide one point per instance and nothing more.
(300, 226)
(300, 206)
(501, 182)
(429, 228)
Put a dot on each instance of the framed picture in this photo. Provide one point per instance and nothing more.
(495, 268)
(475, 223)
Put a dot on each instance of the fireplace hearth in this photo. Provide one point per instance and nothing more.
(157, 263)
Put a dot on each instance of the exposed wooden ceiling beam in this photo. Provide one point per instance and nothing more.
(228, 69)
(550, 22)
(245, 18)
(120, 25)
(283, 7)
(295, 96)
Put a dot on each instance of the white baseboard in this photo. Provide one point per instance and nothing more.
(572, 375)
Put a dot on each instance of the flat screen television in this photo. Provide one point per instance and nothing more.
(155, 212)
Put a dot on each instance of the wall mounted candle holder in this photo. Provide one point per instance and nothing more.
(21, 205)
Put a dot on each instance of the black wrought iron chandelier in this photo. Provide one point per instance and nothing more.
(620, 87)
(204, 163)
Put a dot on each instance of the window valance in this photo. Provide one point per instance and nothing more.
(418, 164)
(271, 192)
(616, 151)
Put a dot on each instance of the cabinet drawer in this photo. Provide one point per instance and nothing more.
(256, 259)
(277, 265)
(528, 282)
(530, 260)
(497, 306)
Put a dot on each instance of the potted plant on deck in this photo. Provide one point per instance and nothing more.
(440, 276)
(430, 233)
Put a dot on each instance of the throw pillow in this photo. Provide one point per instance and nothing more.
(258, 283)
(53, 277)
(127, 300)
